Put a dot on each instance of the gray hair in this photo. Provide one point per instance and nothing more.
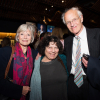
(73, 8)
(23, 28)
(30, 23)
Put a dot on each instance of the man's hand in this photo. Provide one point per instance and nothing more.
(25, 90)
(85, 62)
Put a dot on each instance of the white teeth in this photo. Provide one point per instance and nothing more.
(52, 54)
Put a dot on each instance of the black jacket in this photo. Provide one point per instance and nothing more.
(93, 38)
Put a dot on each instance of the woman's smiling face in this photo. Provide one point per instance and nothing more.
(25, 38)
(51, 51)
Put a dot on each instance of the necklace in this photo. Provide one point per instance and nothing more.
(25, 54)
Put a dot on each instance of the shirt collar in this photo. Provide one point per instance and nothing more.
(82, 35)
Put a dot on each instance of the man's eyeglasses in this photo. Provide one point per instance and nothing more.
(73, 20)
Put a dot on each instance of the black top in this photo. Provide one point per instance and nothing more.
(53, 80)
(8, 88)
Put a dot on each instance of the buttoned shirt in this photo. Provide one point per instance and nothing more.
(84, 48)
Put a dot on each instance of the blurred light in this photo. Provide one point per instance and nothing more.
(6, 34)
(92, 21)
(44, 20)
(49, 20)
(52, 6)
(45, 8)
(62, 1)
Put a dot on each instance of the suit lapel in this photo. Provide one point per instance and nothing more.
(69, 55)
(91, 41)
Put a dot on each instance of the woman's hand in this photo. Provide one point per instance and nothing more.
(37, 57)
(25, 90)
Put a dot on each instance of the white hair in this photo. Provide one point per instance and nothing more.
(73, 8)
(23, 28)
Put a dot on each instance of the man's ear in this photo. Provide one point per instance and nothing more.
(81, 18)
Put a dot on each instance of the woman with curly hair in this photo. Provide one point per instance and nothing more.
(49, 78)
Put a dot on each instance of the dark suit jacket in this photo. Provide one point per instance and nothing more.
(93, 37)
(8, 88)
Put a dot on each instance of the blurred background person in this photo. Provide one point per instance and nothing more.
(44, 34)
(35, 35)
(0, 46)
(58, 33)
(21, 66)
(6, 42)
(47, 34)
(49, 78)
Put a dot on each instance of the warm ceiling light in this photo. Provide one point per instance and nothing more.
(45, 8)
(44, 20)
(49, 20)
(52, 6)
(92, 21)
(62, 1)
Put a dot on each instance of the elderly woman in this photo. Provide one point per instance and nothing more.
(48, 81)
(21, 66)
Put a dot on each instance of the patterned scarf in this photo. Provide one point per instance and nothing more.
(22, 68)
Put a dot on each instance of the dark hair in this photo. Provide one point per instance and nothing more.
(45, 42)
(44, 34)
(47, 34)
(6, 42)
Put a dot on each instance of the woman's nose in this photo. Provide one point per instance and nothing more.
(53, 49)
(25, 36)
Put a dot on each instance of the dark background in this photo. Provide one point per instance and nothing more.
(16, 12)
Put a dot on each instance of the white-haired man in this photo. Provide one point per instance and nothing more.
(83, 41)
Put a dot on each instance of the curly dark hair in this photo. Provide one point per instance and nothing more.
(45, 42)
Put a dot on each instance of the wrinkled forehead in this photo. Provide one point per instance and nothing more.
(71, 14)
